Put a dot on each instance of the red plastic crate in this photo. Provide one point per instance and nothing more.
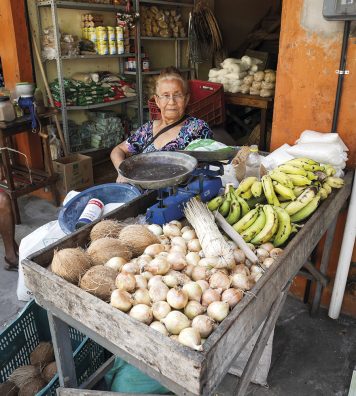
(206, 102)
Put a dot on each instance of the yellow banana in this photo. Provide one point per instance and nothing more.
(301, 201)
(245, 185)
(298, 190)
(300, 180)
(269, 228)
(306, 211)
(256, 189)
(311, 175)
(321, 175)
(334, 182)
(255, 228)
(292, 170)
(244, 205)
(323, 193)
(327, 188)
(329, 170)
(284, 227)
(247, 194)
(283, 191)
(215, 203)
(247, 220)
(268, 190)
(281, 178)
(234, 213)
(302, 160)
(285, 204)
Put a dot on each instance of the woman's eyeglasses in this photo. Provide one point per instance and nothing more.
(167, 98)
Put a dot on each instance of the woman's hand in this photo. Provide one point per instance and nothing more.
(121, 179)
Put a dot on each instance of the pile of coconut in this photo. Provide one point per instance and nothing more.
(162, 277)
(28, 380)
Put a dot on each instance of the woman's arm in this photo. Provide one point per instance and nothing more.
(118, 154)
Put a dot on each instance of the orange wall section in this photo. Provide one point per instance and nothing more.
(309, 55)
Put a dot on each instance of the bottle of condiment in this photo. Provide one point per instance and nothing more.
(253, 163)
(145, 63)
(91, 212)
(7, 111)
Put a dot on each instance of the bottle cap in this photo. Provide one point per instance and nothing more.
(254, 148)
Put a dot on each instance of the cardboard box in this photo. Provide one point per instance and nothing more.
(75, 173)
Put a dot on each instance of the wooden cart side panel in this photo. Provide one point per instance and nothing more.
(83, 392)
(239, 326)
(81, 237)
(159, 356)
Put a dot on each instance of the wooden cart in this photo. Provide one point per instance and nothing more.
(179, 368)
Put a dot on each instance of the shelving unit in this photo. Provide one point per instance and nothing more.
(54, 5)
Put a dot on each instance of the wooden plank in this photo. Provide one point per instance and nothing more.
(63, 351)
(98, 374)
(82, 392)
(317, 275)
(248, 100)
(246, 317)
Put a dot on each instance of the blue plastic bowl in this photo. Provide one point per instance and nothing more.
(108, 193)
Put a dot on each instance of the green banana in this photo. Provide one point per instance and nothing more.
(306, 211)
(246, 221)
(268, 190)
(244, 205)
(300, 180)
(284, 227)
(323, 193)
(245, 185)
(283, 191)
(329, 170)
(281, 178)
(255, 201)
(247, 194)
(311, 176)
(234, 213)
(250, 232)
(215, 203)
(225, 206)
(334, 182)
(298, 190)
(301, 201)
(256, 189)
(327, 188)
(292, 170)
(269, 228)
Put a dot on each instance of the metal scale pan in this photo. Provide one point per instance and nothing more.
(158, 170)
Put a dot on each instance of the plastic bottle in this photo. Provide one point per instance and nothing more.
(253, 163)
(7, 111)
(91, 212)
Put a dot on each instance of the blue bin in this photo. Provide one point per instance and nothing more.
(107, 193)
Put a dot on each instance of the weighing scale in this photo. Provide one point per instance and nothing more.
(177, 177)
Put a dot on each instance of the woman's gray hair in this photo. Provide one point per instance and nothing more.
(172, 73)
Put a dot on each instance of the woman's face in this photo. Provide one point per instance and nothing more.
(171, 99)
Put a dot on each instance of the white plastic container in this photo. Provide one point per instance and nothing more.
(7, 111)
(253, 163)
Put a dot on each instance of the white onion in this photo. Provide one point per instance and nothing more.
(232, 296)
(256, 269)
(143, 260)
(130, 268)
(201, 254)
(208, 262)
(200, 273)
(141, 296)
(261, 254)
(178, 249)
(203, 284)
(185, 228)
(155, 279)
(163, 254)
(191, 338)
(218, 310)
(241, 269)
(121, 300)
(275, 252)
(268, 262)
(204, 325)
(188, 270)
(158, 266)
(177, 298)
(194, 245)
(171, 230)
(175, 322)
(116, 263)
(175, 278)
(179, 241)
(209, 296)
(192, 258)
(160, 327)
(160, 309)
(255, 276)
(176, 223)
(155, 229)
(142, 312)
(193, 290)
(240, 281)
(141, 282)
(158, 292)
(147, 275)
(177, 260)
(252, 246)
(219, 280)
(174, 337)
(125, 282)
(193, 309)
(154, 250)
(267, 246)
(164, 240)
(189, 235)
(239, 256)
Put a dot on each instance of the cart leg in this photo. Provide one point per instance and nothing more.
(257, 351)
(323, 266)
(63, 352)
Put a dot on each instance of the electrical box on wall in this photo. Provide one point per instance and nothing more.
(339, 10)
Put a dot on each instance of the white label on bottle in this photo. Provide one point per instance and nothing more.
(91, 212)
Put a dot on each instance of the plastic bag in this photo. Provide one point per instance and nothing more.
(318, 137)
(205, 145)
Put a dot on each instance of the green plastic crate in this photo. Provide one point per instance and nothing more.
(20, 338)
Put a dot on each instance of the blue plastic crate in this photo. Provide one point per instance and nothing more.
(20, 338)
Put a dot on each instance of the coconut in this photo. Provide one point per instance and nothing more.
(24, 374)
(99, 281)
(32, 387)
(137, 237)
(71, 264)
(42, 354)
(49, 371)
(8, 388)
(103, 249)
(106, 229)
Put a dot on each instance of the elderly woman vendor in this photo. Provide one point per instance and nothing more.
(174, 131)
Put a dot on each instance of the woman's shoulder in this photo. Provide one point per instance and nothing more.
(197, 128)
